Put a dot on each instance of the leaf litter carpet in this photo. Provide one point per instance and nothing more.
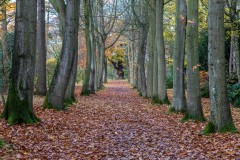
(115, 124)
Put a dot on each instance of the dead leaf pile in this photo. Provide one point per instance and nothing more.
(115, 123)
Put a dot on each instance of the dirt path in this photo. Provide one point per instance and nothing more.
(114, 124)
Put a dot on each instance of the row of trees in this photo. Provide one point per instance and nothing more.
(148, 37)
(142, 23)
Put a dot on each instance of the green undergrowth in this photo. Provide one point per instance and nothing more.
(86, 93)
(173, 110)
(48, 105)
(156, 100)
(18, 111)
(196, 118)
(2, 143)
(69, 101)
(210, 128)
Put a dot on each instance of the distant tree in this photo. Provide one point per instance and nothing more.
(117, 59)
(19, 106)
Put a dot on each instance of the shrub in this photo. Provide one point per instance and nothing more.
(204, 89)
(169, 81)
(234, 94)
(204, 84)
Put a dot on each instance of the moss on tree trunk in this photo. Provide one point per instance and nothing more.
(18, 110)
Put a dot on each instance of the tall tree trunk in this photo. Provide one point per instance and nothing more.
(220, 113)
(233, 49)
(105, 69)
(69, 95)
(155, 56)
(41, 83)
(150, 54)
(162, 88)
(60, 8)
(4, 57)
(142, 54)
(194, 106)
(19, 107)
(179, 100)
(86, 82)
(57, 90)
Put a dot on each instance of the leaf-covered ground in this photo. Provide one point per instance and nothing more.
(115, 124)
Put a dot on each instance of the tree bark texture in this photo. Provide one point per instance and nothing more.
(194, 106)
(41, 82)
(19, 107)
(162, 88)
(179, 100)
(57, 90)
(220, 113)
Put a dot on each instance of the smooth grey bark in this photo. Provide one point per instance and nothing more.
(69, 95)
(86, 82)
(41, 78)
(4, 57)
(19, 107)
(162, 88)
(155, 56)
(194, 106)
(179, 100)
(142, 54)
(150, 48)
(220, 113)
(93, 54)
(60, 7)
(57, 90)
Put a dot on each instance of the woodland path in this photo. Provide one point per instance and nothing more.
(115, 123)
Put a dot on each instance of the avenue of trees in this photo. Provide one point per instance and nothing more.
(142, 40)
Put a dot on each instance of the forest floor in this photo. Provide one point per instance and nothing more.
(115, 124)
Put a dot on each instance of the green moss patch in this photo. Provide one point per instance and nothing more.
(196, 118)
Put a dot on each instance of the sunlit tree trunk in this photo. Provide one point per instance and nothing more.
(57, 90)
(220, 113)
(179, 100)
(41, 78)
(19, 107)
(194, 106)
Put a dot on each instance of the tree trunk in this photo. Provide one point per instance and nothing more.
(220, 113)
(57, 90)
(150, 54)
(4, 57)
(162, 88)
(19, 107)
(41, 83)
(105, 69)
(179, 100)
(155, 57)
(60, 8)
(142, 55)
(69, 95)
(194, 106)
(86, 88)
